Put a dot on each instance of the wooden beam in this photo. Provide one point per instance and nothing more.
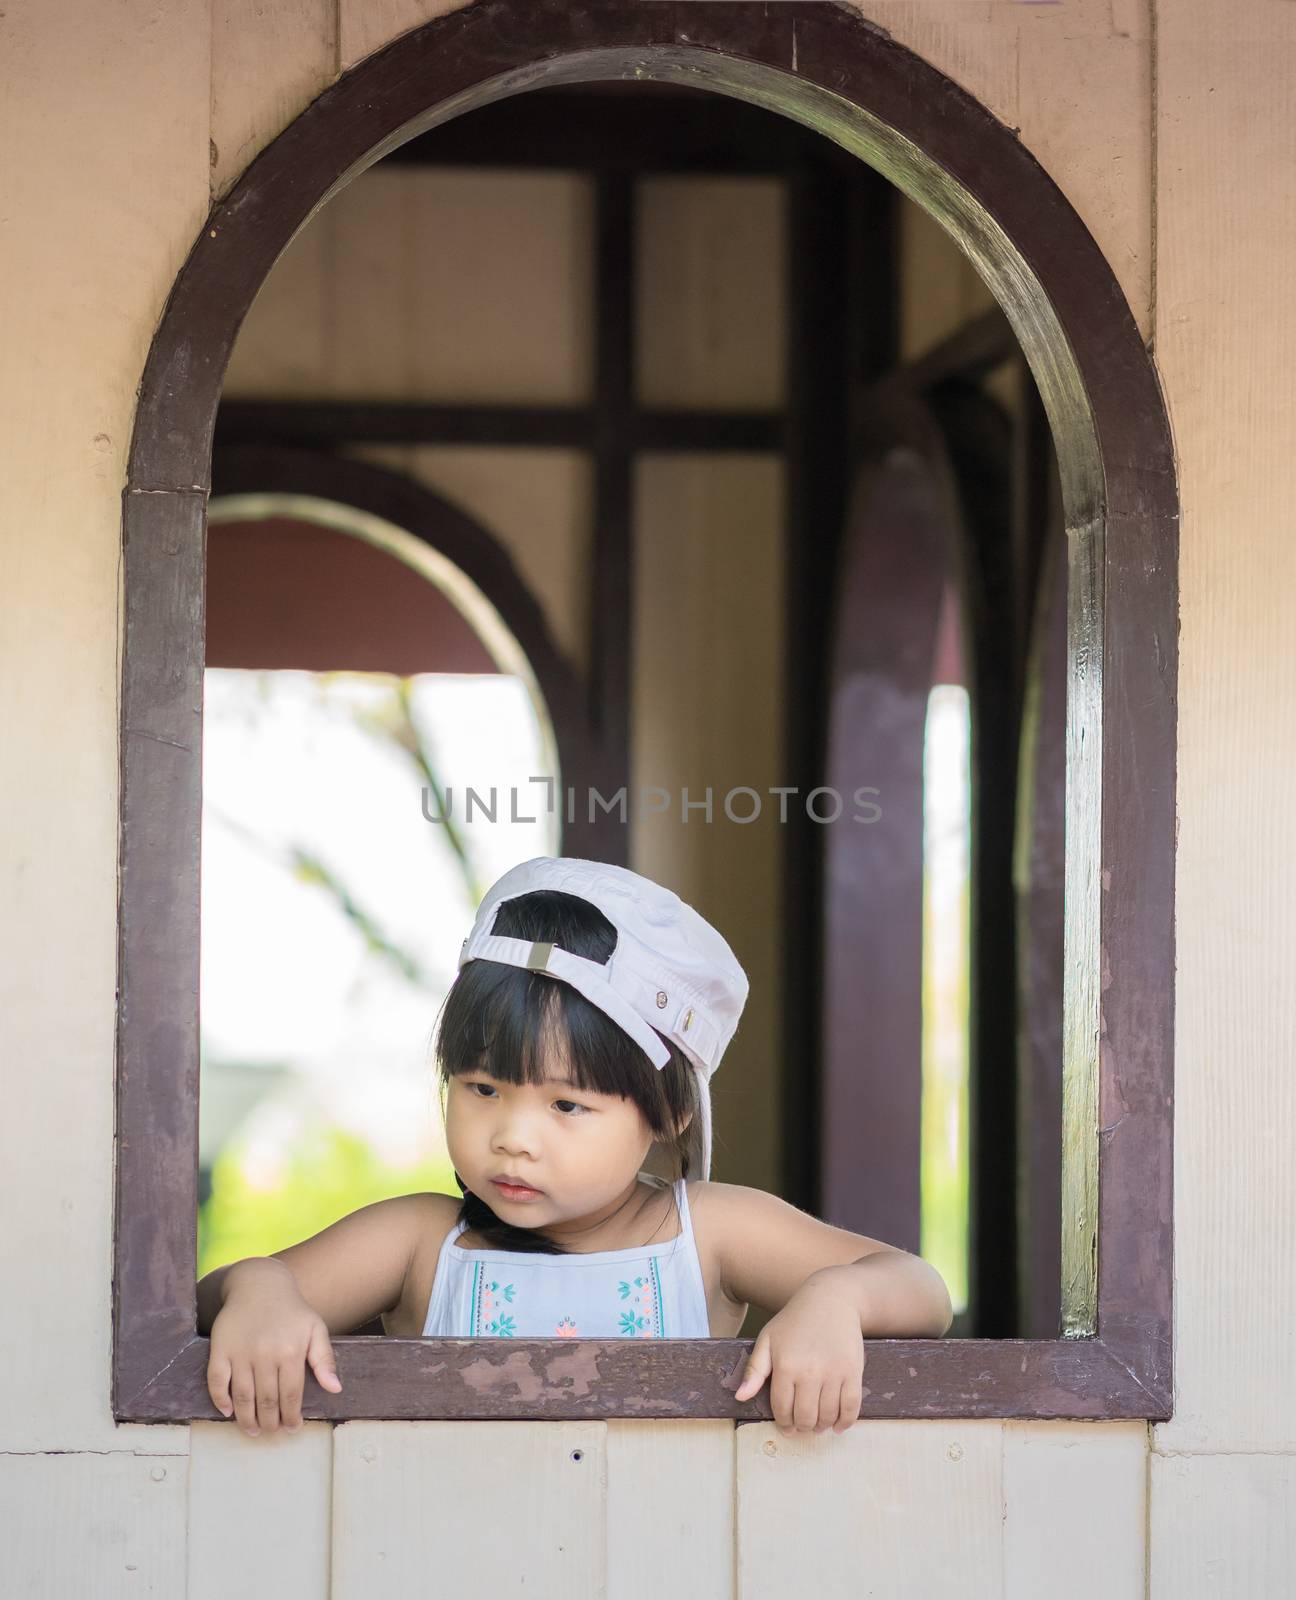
(326, 424)
(816, 478)
(610, 596)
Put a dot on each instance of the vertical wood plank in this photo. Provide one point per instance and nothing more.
(606, 589)
(104, 128)
(1223, 1526)
(93, 1526)
(1075, 1509)
(268, 63)
(259, 1513)
(477, 1508)
(671, 1495)
(710, 318)
(519, 277)
(1226, 347)
(905, 1509)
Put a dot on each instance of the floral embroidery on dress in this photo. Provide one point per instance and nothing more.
(599, 1302)
(637, 1323)
(504, 1326)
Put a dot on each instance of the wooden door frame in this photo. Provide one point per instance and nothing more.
(825, 66)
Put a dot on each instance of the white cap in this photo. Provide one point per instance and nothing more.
(671, 971)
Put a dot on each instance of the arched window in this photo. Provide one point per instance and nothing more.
(829, 72)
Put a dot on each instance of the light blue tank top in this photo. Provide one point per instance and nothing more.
(648, 1292)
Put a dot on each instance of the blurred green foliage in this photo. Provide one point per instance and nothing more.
(325, 1174)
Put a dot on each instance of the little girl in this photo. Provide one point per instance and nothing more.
(590, 1010)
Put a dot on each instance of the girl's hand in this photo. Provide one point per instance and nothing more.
(261, 1339)
(815, 1349)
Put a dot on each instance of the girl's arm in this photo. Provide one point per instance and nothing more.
(768, 1250)
(215, 1287)
(830, 1289)
(348, 1272)
(271, 1316)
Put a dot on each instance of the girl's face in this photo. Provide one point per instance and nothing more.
(580, 1149)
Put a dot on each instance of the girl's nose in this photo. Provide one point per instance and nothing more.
(515, 1147)
(515, 1135)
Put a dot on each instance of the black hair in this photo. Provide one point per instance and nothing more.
(498, 1019)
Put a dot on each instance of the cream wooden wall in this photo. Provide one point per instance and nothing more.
(1170, 127)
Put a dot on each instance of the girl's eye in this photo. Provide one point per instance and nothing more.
(488, 1090)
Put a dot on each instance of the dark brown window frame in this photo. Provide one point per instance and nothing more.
(823, 66)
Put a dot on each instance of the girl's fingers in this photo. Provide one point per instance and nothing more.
(291, 1376)
(267, 1396)
(829, 1406)
(243, 1393)
(782, 1399)
(756, 1370)
(218, 1384)
(805, 1410)
(319, 1353)
(852, 1396)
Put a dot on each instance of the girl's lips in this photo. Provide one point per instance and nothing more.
(513, 1191)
